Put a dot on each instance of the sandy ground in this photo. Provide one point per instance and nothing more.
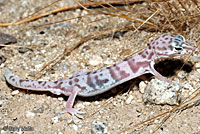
(37, 112)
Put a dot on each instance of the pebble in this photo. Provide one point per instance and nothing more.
(38, 66)
(60, 98)
(55, 119)
(142, 86)
(15, 92)
(95, 60)
(7, 39)
(98, 127)
(161, 92)
(75, 127)
(182, 74)
(80, 106)
(197, 65)
(195, 59)
(2, 59)
(129, 100)
(96, 103)
(188, 86)
(30, 114)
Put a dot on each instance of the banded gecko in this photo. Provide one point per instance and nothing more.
(87, 84)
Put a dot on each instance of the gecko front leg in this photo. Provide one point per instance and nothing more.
(157, 74)
(70, 103)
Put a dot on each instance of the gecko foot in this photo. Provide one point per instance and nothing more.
(74, 112)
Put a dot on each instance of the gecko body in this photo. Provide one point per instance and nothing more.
(96, 82)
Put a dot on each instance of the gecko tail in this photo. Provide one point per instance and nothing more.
(5, 71)
(26, 83)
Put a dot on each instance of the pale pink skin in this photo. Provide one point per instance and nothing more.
(96, 82)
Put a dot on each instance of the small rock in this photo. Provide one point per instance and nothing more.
(128, 101)
(60, 98)
(38, 66)
(2, 59)
(75, 127)
(15, 92)
(7, 39)
(81, 106)
(195, 59)
(64, 24)
(95, 60)
(182, 74)
(24, 50)
(96, 103)
(188, 86)
(55, 119)
(30, 114)
(198, 66)
(142, 86)
(98, 127)
(161, 92)
(39, 110)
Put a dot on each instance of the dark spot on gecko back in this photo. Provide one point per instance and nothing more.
(143, 56)
(11, 77)
(39, 82)
(164, 48)
(150, 56)
(143, 64)
(112, 73)
(100, 82)
(90, 83)
(150, 46)
(157, 42)
(22, 80)
(157, 38)
(94, 72)
(164, 35)
(70, 82)
(170, 40)
(132, 66)
(81, 87)
(76, 80)
(124, 75)
(88, 73)
(117, 68)
(170, 47)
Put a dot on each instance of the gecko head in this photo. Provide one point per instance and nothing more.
(167, 46)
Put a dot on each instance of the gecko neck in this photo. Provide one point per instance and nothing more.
(147, 55)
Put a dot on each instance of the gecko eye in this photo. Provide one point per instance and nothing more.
(178, 48)
(179, 37)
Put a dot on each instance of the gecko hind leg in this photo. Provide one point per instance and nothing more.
(74, 112)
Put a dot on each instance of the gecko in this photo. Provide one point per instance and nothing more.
(92, 83)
